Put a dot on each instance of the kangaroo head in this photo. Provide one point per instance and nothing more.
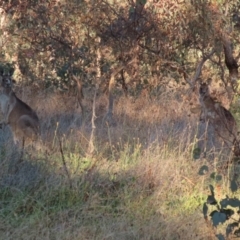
(6, 82)
(204, 89)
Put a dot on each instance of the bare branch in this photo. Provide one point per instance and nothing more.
(198, 71)
(79, 92)
(219, 64)
(230, 61)
(91, 147)
(122, 66)
(64, 164)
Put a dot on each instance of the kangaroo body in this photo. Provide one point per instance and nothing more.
(23, 121)
(212, 111)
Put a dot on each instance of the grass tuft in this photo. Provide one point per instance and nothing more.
(141, 183)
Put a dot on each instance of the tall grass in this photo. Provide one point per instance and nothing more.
(141, 183)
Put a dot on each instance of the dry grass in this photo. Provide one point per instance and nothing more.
(141, 183)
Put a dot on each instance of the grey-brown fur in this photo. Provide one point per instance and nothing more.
(219, 117)
(23, 121)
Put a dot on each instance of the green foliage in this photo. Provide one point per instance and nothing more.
(196, 153)
(51, 41)
(225, 211)
(203, 170)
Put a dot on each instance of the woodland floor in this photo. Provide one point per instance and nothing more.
(142, 181)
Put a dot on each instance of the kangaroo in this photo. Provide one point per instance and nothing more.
(215, 113)
(23, 121)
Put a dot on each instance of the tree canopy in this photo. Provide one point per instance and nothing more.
(50, 41)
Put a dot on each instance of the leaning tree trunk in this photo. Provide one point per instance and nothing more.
(232, 66)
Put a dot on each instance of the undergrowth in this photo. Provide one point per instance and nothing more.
(141, 183)
(131, 195)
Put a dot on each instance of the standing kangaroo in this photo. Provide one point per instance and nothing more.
(212, 111)
(23, 121)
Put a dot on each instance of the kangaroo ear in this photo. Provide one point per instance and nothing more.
(1, 71)
(209, 81)
(11, 71)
